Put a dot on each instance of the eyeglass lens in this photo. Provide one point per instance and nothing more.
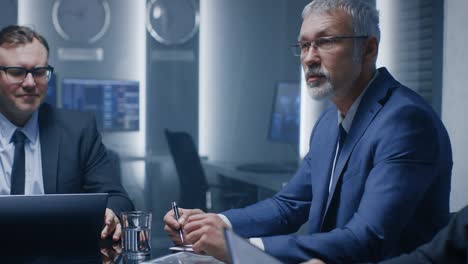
(18, 74)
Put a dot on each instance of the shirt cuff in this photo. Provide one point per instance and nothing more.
(225, 220)
(258, 242)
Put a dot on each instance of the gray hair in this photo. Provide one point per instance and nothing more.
(365, 18)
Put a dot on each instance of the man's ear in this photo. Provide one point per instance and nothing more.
(371, 49)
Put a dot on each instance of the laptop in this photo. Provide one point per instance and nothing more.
(59, 223)
(240, 251)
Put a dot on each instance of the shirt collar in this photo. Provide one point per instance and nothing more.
(7, 129)
(347, 121)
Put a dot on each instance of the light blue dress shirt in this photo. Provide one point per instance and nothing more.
(34, 184)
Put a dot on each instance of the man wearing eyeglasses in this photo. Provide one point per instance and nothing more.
(44, 150)
(376, 180)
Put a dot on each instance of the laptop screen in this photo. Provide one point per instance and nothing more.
(241, 251)
(59, 222)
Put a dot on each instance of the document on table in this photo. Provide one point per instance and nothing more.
(182, 248)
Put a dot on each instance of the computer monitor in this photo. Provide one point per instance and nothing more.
(115, 103)
(285, 114)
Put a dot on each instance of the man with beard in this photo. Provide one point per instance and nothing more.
(376, 180)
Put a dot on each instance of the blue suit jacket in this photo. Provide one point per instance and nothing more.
(74, 160)
(390, 191)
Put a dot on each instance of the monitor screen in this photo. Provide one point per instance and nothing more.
(115, 103)
(285, 114)
(51, 95)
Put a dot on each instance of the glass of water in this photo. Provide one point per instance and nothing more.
(136, 230)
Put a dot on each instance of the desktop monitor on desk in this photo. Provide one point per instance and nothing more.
(115, 103)
(285, 114)
(284, 127)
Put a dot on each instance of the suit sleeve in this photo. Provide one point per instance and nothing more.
(99, 175)
(405, 163)
(282, 214)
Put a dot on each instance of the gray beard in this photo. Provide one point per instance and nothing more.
(321, 92)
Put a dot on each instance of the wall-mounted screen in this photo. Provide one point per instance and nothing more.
(115, 103)
(285, 114)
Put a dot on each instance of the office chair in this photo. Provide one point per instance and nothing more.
(194, 189)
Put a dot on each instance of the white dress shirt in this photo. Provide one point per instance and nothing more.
(34, 184)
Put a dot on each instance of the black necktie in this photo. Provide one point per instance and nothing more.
(341, 138)
(17, 173)
(340, 141)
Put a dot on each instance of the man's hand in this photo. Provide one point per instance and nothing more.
(110, 254)
(205, 232)
(111, 226)
(314, 261)
(172, 225)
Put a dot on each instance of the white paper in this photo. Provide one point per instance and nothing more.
(182, 248)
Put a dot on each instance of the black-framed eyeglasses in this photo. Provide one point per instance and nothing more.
(320, 44)
(18, 74)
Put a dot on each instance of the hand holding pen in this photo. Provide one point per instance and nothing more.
(175, 209)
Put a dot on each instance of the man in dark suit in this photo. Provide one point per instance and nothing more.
(450, 245)
(62, 150)
(376, 180)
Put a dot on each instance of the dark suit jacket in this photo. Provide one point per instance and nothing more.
(74, 160)
(390, 191)
(449, 246)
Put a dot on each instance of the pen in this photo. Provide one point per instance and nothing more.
(175, 209)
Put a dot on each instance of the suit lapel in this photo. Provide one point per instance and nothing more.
(50, 138)
(321, 153)
(370, 105)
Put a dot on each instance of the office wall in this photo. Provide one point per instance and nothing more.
(244, 52)
(172, 87)
(455, 96)
(123, 49)
(411, 45)
(8, 13)
(123, 56)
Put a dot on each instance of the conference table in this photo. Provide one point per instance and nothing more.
(106, 253)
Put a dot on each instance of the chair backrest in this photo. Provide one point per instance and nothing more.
(193, 184)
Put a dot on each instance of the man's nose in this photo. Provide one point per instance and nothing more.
(312, 56)
(29, 80)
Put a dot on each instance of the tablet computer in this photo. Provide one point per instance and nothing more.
(240, 251)
(32, 224)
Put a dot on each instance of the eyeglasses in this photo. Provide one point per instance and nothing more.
(320, 44)
(18, 74)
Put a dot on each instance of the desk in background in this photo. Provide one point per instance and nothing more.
(265, 185)
(269, 181)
